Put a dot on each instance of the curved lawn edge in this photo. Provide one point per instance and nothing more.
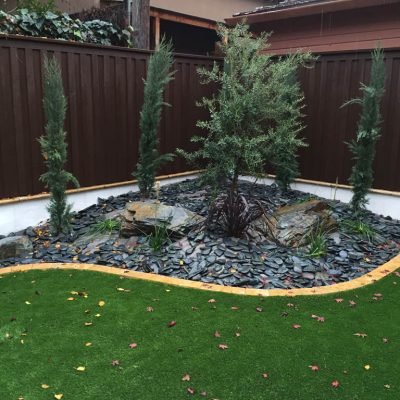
(367, 279)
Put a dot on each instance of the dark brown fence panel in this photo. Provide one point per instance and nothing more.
(104, 87)
(335, 79)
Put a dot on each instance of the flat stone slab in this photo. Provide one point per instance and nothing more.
(292, 225)
(15, 246)
(143, 217)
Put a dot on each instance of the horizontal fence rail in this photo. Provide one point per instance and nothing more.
(104, 87)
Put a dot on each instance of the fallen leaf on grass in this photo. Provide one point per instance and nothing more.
(360, 334)
(212, 301)
(88, 323)
(203, 394)
(191, 390)
(265, 375)
(290, 304)
(149, 309)
(314, 367)
(367, 367)
(133, 345)
(186, 378)
(120, 289)
(259, 309)
(115, 363)
(234, 308)
(58, 396)
(44, 386)
(352, 303)
(296, 326)
(28, 303)
(88, 344)
(386, 386)
(80, 369)
(71, 298)
(217, 334)
(102, 303)
(223, 346)
(237, 334)
(171, 324)
(335, 384)
(385, 340)
(339, 300)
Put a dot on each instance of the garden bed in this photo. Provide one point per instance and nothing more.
(212, 256)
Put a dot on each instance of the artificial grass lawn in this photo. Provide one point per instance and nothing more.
(54, 335)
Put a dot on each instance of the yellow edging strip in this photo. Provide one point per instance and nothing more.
(367, 279)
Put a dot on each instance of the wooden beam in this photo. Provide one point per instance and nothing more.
(157, 31)
(141, 23)
(183, 19)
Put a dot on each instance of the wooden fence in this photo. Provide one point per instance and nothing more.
(335, 79)
(104, 87)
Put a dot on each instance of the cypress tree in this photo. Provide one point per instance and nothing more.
(158, 76)
(285, 140)
(363, 146)
(54, 148)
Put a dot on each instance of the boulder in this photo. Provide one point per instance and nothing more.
(291, 225)
(141, 218)
(15, 246)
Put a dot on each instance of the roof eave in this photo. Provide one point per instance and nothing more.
(305, 10)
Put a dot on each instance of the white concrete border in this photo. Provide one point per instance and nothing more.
(379, 203)
(15, 216)
(19, 215)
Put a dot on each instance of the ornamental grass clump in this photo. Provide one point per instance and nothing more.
(54, 148)
(363, 146)
(159, 74)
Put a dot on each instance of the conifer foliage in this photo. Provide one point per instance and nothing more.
(363, 146)
(255, 112)
(159, 74)
(285, 139)
(54, 148)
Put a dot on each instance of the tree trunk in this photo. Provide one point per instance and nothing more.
(141, 23)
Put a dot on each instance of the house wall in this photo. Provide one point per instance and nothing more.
(360, 29)
(216, 10)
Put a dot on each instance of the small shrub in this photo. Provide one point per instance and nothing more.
(363, 146)
(37, 6)
(158, 76)
(361, 228)
(106, 226)
(233, 212)
(62, 26)
(54, 148)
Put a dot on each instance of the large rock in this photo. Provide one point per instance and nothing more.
(292, 225)
(15, 246)
(142, 217)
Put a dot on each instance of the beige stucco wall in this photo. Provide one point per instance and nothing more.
(216, 10)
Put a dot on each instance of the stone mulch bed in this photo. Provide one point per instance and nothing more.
(212, 257)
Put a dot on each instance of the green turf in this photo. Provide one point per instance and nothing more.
(54, 336)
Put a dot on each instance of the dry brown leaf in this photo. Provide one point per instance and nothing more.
(186, 378)
(223, 346)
